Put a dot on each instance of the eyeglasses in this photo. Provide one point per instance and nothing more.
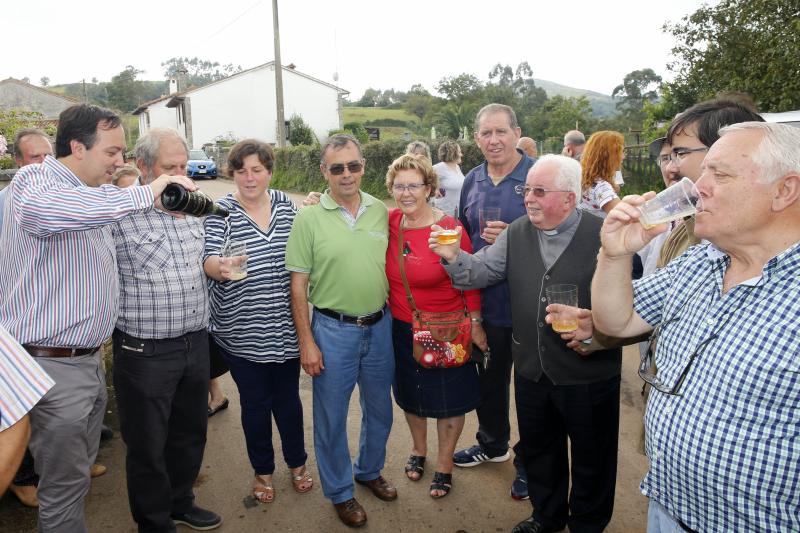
(352, 166)
(539, 192)
(413, 188)
(678, 154)
(663, 159)
(647, 366)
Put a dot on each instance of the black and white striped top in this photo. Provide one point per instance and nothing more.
(252, 318)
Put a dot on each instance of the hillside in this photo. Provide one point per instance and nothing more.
(602, 104)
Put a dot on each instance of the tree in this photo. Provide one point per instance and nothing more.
(558, 115)
(637, 88)
(199, 72)
(300, 132)
(459, 87)
(749, 46)
(45, 81)
(124, 90)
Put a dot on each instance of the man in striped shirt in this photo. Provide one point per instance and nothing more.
(22, 384)
(161, 361)
(722, 417)
(58, 294)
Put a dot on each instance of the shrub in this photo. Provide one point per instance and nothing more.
(300, 132)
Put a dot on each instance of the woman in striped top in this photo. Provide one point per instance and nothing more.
(251, 318)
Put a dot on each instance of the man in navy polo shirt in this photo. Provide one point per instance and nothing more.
(495, 184)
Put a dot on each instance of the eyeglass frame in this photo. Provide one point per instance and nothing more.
(647, 361)
(337, 169)
(648, 358)
(678, 154)
(412, 188)
(524, 190)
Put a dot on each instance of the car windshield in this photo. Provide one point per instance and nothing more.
(197, 154)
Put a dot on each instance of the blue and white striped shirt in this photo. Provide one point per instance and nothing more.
(58, 269)
(252, 318)
(22, 381)
(725, 455)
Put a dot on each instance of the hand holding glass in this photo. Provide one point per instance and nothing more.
(487, 214)
(673, 203)
(235, 255)
(565, 294)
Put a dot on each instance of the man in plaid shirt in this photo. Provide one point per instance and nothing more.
(723, 419)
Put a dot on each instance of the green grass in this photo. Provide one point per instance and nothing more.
(364, 114)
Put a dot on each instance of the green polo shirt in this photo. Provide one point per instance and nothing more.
(346, 262)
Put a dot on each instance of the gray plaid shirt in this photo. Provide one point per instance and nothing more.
(163, 291)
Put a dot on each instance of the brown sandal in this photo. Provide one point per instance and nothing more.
(263, 492)
(302, 478)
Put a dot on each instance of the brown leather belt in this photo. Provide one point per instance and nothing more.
(46, 351)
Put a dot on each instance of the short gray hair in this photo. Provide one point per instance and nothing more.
(496, 108)
(418, 148)
(146, 149)
(574, 137)
(25, 132)
(568, 177)
(338, 141)
(778, 152)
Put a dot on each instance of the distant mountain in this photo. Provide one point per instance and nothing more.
(602, 104)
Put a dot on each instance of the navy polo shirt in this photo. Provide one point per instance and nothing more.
(478, 192)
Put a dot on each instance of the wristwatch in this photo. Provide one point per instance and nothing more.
(478, 320)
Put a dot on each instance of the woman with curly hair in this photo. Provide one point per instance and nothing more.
(601, 159)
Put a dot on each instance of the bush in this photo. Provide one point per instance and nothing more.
(7, 162)
(357, 130)
(300, 132)
(389, 122)
(297, 168)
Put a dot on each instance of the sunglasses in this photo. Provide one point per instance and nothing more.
(539, 192)
(352, 166)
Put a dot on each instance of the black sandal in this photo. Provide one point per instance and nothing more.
(443, 482)
(415, 464)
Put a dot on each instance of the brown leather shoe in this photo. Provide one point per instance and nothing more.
(380, 488)
(351, 513)
(26, 494)
(97, 470)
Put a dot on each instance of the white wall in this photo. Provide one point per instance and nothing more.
(244, 106)
(161, 116)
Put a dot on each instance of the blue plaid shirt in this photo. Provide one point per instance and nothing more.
(725, 455)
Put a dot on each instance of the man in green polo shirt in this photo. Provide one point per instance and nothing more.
(338, 248)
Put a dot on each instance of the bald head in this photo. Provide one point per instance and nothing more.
(31, 146)
(528, 145)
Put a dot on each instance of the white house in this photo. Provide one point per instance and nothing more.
(243, 105)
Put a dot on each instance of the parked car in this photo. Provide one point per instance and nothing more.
(200, 165)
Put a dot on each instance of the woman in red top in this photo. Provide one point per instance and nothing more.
(444, 394)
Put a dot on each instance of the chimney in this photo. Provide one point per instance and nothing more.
(173, 85)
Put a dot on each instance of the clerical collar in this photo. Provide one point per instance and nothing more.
(571, 220)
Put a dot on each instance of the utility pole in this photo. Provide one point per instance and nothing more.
(278, 77)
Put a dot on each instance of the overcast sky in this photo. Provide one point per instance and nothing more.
(378, 43)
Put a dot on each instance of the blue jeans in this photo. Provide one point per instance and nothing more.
(351, 354)
(659, 520)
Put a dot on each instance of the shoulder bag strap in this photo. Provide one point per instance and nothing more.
(401, 263)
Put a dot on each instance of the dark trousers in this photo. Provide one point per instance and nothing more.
(494, 430)
(268, 390)
(26, 474)
(589, 415)
(162, 389)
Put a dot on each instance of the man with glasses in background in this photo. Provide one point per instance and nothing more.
(722, 422)
(690, 135)
(337, 248)
(559, 393)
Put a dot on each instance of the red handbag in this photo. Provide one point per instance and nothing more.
(441, 339)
